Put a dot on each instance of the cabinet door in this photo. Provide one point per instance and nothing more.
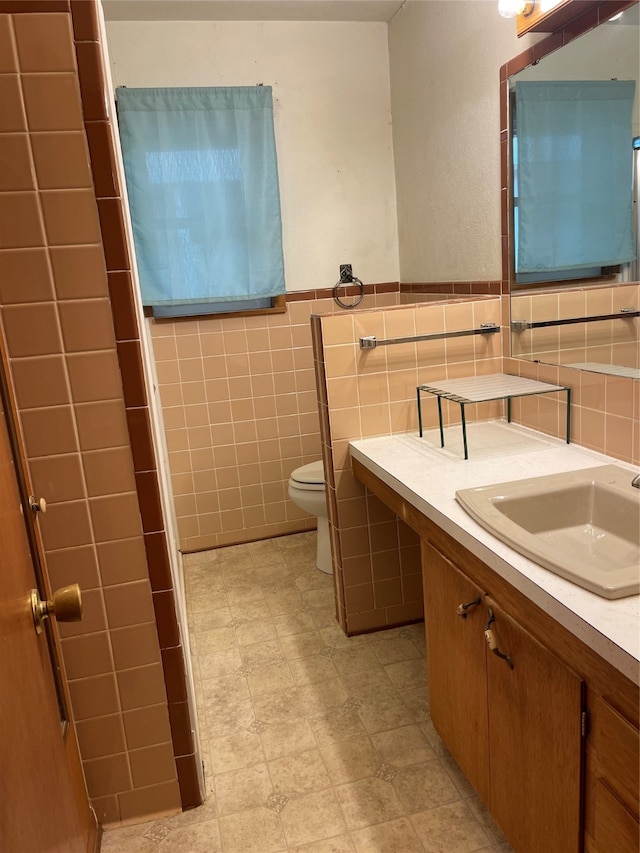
(616, 829)
(536, 742)
(456, 665)
(612, 781)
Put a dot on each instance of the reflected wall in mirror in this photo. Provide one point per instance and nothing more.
(544, 309)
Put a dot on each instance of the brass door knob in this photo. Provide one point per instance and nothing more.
(65, 605)
(37, 505)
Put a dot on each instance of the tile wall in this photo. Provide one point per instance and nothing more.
(240, 413)
(72, 339)
(364, 393)
(605, 410)
(603, 342)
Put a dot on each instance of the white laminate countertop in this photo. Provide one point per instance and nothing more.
(428, 478)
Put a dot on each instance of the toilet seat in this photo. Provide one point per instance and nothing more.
(308, 478)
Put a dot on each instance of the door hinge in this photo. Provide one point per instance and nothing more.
(584, 723)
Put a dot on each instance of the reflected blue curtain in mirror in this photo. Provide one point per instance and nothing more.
(202, 181)
(574, 174)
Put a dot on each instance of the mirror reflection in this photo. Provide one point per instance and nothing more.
(592, 272)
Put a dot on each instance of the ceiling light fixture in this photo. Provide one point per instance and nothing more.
(511, 8)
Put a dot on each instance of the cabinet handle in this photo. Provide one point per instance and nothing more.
(493, 643)
(461, 609)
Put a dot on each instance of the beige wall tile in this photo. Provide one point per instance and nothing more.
(108, 471)
(87, 655)
(141, 686)
(20, 223)
(79, 271)
(101, 736)
(25, 276)
(115, 517)
(94, 376)
(87, 325)
(152, 765)
(58, 478)
(128, 604)
(70, 216)
(107, 775)
(44, 42)
(16, 170)
(94, 697)
(155, 801)
(32, 329)
(147, 726)
(61, 160)
(12, 117)
(52, 101)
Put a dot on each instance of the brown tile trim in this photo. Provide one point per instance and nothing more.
(139, 424)
(180, 721)
(16, 7)
(114, 238)
(164, 606)
(462, 287)
(148, 490)
(84, 14)
(92, 81)
(130, 360)
(175, 677)
(103, 164)
(190, 795)
(158, 561)
(125, 320)
(327, 292)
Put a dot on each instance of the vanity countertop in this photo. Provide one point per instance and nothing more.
(428, 478)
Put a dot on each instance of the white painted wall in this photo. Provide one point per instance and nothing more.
(332, 123)
(445, 57)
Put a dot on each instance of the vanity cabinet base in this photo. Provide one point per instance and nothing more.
(566, 701)
(510, 713)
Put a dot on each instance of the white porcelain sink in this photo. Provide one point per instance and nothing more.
(582, 525)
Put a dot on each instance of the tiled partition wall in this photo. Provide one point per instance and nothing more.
(602, 342)
(364, 393)
(605, 410)
(240, 413)
(72, 339)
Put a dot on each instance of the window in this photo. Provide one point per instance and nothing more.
(202, 181)
(572, 163)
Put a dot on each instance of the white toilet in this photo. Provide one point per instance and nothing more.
(306, 490)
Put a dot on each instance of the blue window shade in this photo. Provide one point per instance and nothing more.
(574, 174)
(202, 181)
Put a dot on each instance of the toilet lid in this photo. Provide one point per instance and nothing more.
(311, 474)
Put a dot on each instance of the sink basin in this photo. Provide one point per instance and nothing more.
(582, 525)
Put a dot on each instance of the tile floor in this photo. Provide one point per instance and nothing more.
(312, 741)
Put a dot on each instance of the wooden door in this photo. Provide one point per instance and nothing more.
(535, 740)
(456, 665)
(43, 803)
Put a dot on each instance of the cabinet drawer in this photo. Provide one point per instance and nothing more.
(616, 829)
(617, 747)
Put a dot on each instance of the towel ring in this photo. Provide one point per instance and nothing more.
(348, 280)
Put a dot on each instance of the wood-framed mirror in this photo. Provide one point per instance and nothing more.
(546, 314)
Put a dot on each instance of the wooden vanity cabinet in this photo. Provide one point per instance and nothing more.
(612, 788)
(512, 723)
(535, 741)
(457, 662)
(552, 746)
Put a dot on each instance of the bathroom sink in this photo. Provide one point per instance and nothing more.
(582, 525)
